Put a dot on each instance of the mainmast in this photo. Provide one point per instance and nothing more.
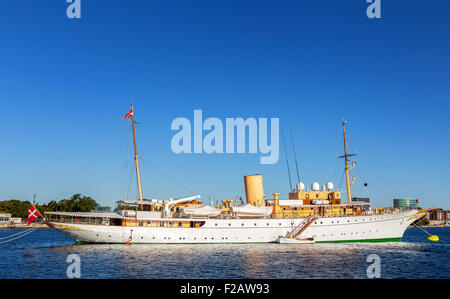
(347, 167)
(136, 159)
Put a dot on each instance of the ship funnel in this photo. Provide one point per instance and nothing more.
(254, 189)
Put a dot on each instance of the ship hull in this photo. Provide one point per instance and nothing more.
(368, 228)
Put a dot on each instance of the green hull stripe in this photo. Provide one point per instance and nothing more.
(340, 241)
(364, 240)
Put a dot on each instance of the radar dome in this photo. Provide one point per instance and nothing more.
(315, 186)
(330, 186)
(300, 186)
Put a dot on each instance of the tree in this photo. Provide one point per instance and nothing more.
(77, 203)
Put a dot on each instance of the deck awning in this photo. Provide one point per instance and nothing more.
(86, 214)
(139, 202)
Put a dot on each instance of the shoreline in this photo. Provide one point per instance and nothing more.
(25, 226)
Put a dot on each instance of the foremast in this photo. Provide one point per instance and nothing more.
(136, 159)
(347, 167)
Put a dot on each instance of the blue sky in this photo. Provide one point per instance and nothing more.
(65, 84)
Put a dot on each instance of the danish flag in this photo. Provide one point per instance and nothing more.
(128, 115)
(33, 214)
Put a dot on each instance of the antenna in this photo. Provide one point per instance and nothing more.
(295, 156)
(287, 162)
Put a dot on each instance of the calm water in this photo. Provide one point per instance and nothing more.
(43, 253)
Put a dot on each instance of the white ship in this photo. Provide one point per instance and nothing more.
(308, 216)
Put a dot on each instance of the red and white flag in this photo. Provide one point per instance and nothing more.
(33, 214)
(128, 115)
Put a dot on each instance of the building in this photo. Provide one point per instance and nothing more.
(438, 215)
(16, 220)
(406, 203)
(5, 219)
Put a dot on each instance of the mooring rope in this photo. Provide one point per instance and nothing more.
(20, 236)
(24, 231)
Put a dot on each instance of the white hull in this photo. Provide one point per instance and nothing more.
(386, 227)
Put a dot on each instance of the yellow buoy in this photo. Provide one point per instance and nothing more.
(433, 238)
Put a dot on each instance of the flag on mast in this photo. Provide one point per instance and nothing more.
(33, 214)
(129, 114)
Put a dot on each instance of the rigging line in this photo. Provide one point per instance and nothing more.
(295, 156)
(23, 235)
(287, 162)
(125, 166)
(87, 165)
(129, 182)
(386, 185)
(165, 175)
(24, 231)
(341, 181)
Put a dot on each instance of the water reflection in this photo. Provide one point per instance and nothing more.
(44, 256)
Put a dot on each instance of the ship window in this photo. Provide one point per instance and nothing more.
(229, 224)
(161, 223)
(242, 224)
(180, 224)
(215, 224)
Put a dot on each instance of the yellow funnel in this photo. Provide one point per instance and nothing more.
(254, 189)
(433, 238)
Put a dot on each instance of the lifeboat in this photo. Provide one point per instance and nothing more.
(249, 210)
(201, 211)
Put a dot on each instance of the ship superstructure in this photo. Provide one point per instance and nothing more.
(308, 216)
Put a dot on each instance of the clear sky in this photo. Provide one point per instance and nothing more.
(65, 84)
